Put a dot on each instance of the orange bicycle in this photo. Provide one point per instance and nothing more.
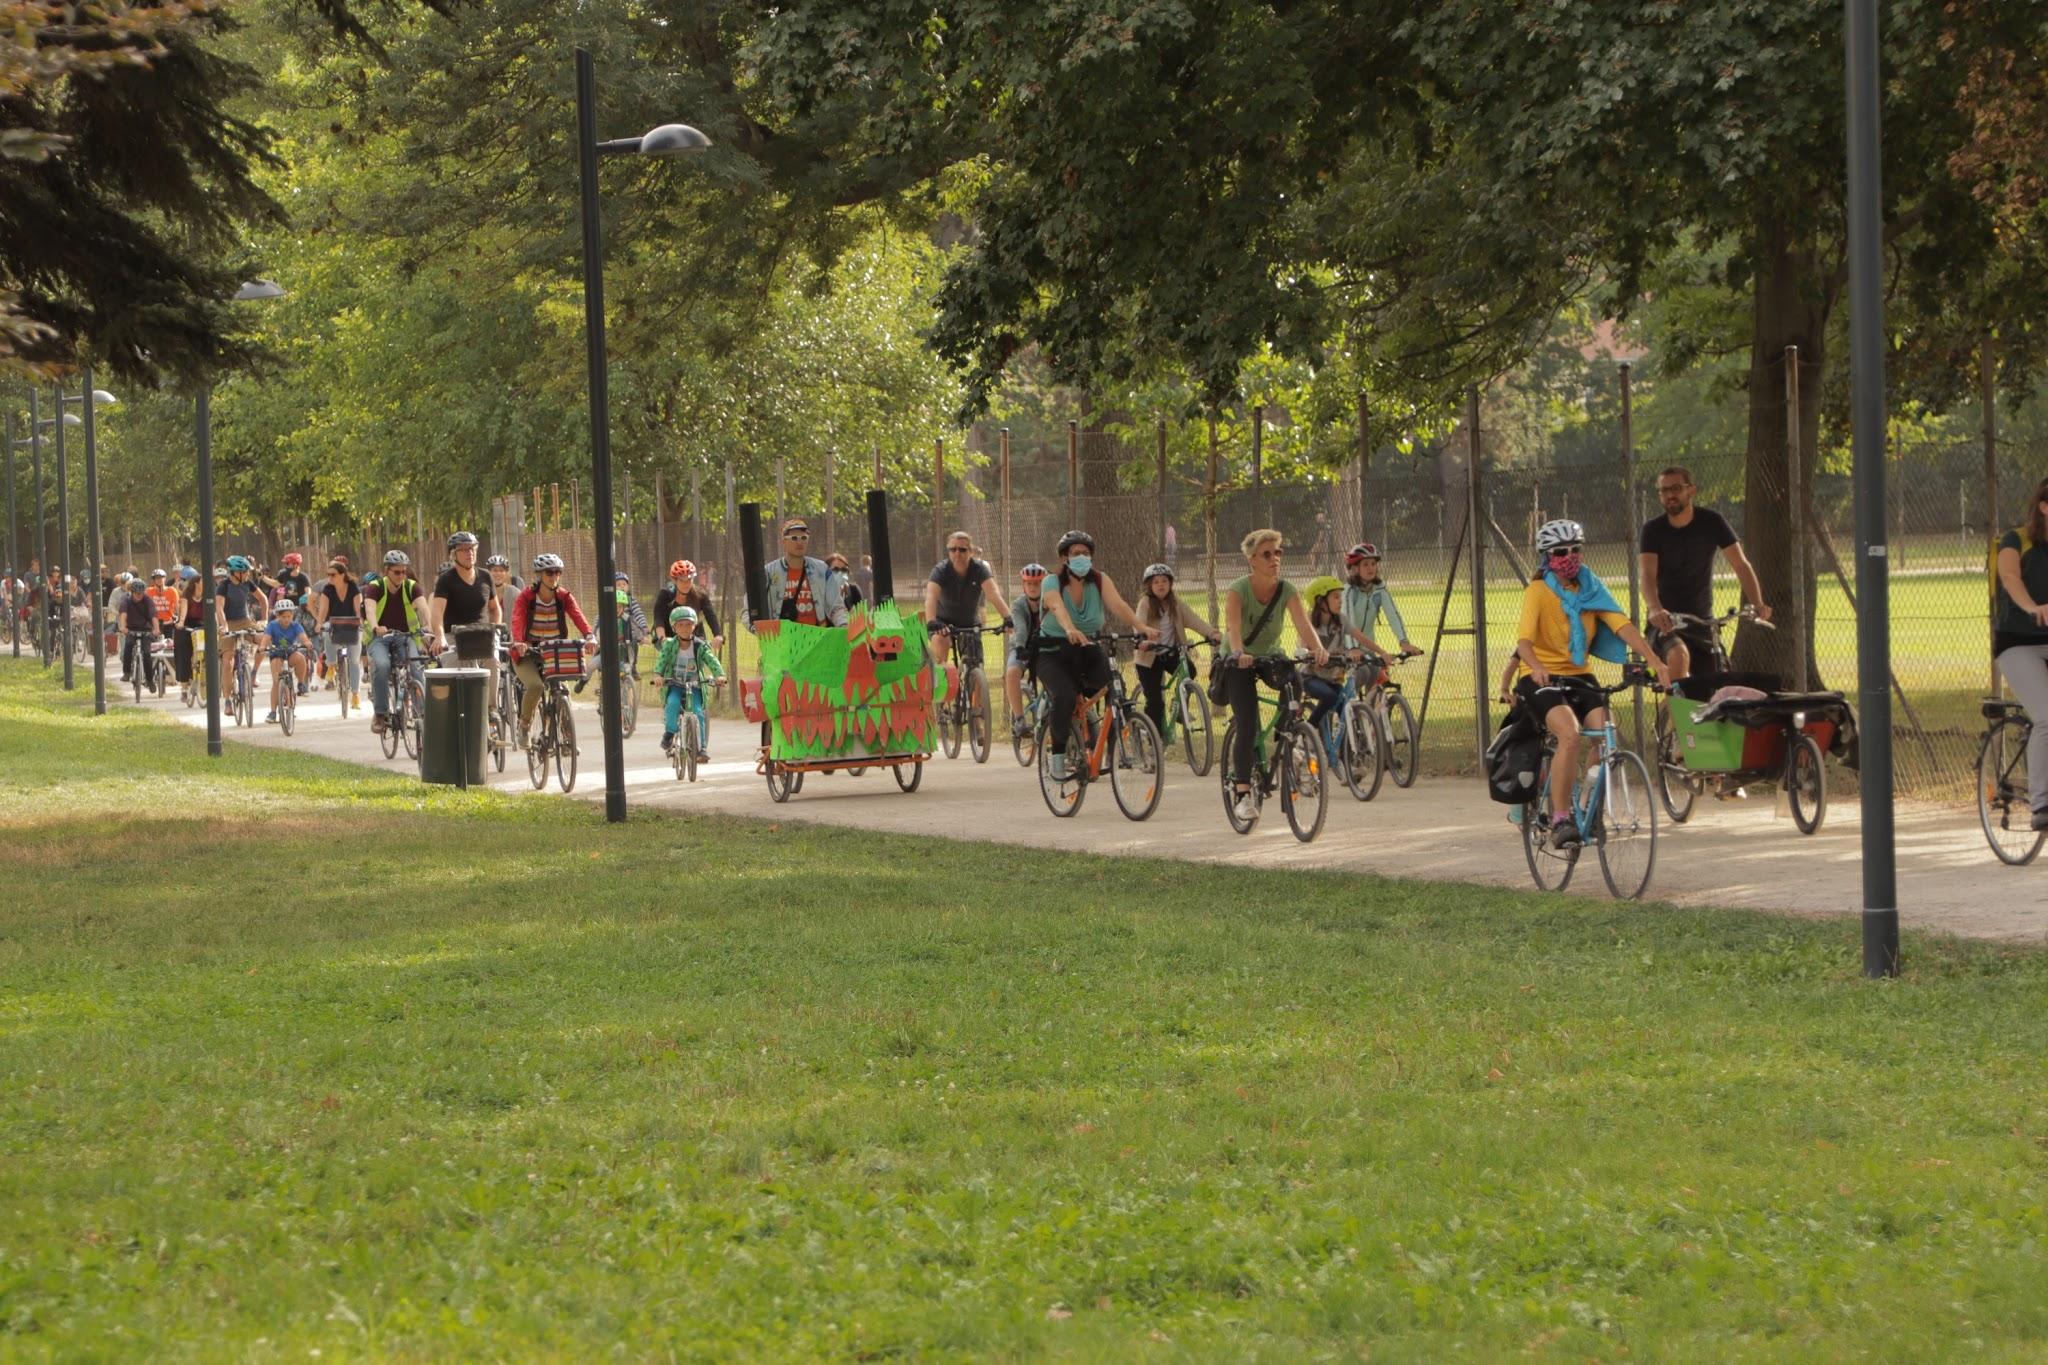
(1111, 736)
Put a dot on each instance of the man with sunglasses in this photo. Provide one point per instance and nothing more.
(959, 587)
(800, 588)
(1569, 618)
(1677, 560)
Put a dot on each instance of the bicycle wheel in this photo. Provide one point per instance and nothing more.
(1063, 796)
(1625, 825)
(974, 687)
(1364, 756)
(2003, 797)
(1304, 781)
(629, 705)
(1806, 784)
(288, 706)
(909, 784)
(246, 707)
(1025, 745)
(685, 748)
(1191, 717)
(1674, 784)
(141, 667)
(415, 707)
(1230, 779)
(565, 745)
(781, 782)
(541, 743)
(1138, 787)
(1551, 867)
(950, 726)
(1401, 740)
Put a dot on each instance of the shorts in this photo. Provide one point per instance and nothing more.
(1699, 642)
(1566, 689)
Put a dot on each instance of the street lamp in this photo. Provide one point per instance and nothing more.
(203, 425)
(34, 442)
(100, 399)
(666, 140)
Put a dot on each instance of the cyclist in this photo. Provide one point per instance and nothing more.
(544, 611)
(1253, 608)
(1367, 597)
(463, 597)
(1568, 618)
(163, 597)
(190, 620)
(289, 648)
(338, 612)
(238, 604)
(1070, 662)
(116, 608)
(292, 580)
(140, 628)
(800, 588)
(850, 590)
(2019, 635)
(1677, 562)
(1336, 634)
(959, 587)
(505, 585)
(685, 663)
(1160, 607)
(633, 626)
(1027, 609)
(395, 608)
(682, 590)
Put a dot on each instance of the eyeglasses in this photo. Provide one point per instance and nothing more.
(1672, 487)
(959, 549)
(1560, 551)
(550, 573)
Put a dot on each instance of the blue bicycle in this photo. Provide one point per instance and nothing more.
(1613, 806)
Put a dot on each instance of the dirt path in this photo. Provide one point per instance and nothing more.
(1729, 854)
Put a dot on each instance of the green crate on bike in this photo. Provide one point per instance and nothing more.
(1714, 746)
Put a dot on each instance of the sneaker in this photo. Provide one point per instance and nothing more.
(1564, 832)
(1019, 728)
(668, 744)
(1247, 808)
(2041, 818)
(379, 724)
(1059, 767)
(327, 686)
(355, 699)
(270, 717)
(704, 756)
(302, 689)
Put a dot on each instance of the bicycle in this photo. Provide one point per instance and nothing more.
(1614, 811)
(1677, 787)
(1110, 733)
(966, 711)
(552, 737)
(160, 667)
(504, 701)
(345, 672)
(2004, 806)
(241, 687)
(629, 689)
(689, 739)
(1352, 735)
(1024, 741)
(142, 669)
(1187, 708)
(1287, 756)
(287, 688)
(408, 695)
(1400, 735)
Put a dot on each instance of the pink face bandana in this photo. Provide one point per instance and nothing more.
(1567, 565)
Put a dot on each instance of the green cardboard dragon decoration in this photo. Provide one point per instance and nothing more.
(859, 690)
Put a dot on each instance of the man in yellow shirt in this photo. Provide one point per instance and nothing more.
(1568, 618)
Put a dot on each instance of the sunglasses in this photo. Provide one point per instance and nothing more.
(1560, 551)
(550, 573)
(959, 549)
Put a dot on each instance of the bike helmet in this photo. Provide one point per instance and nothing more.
(187, 574)
(397, 559)
(461, 538)
(283, 605)
(544, 562)
(497, 562)
(1553, 534)
(293, 560)
(682, 614)
(1320, 588)
(622, 577)
(1153, 571)
(1364, 549)
(1032, 572)
(1073, 538)
(158, 573)
(238, 564)
(682, 568)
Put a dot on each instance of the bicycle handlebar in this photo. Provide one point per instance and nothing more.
(1680, 620)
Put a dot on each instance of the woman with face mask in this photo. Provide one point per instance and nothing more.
(1070, 663)
(1568, 618)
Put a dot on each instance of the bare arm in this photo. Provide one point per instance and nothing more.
(1745, 574)
(1114, 600)
(1056, 604)
(993, 595)
(1297, 612)
(1633, 638)
(931, 601)
(1653, 607)
(1233, 627)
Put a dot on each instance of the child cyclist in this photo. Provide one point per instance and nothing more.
(1159, 606)
(1027, 610)
(1367, 597)
(287, 639)
(1332, 625)
(686, 664)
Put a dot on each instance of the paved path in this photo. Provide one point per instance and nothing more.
(1730, 854)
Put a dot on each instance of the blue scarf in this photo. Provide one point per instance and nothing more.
(1592, 595)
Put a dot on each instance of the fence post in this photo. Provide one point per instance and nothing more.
(1987, 373)
(1209, 514)
(1630, 522)
(1474, 502)
(696, 517)
(1073, 475)
(660, 529)
(939, 495)
(732, 629)
(1795, 496)
(1009, 564)
(1162, 488)
(781, 502)
(1258, 463)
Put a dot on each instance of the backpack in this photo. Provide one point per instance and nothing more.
(1514, 761)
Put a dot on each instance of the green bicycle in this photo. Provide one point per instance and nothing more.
(1300, 772)
(1187, 711)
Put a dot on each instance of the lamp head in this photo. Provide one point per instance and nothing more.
(72, 419)
(259, 289)
(671, 138)
(102, 399)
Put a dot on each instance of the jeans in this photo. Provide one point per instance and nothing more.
(672, 714)
(2026, 670)
(384, 652)
(1327, 695)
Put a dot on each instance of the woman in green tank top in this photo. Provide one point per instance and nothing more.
(1253, 608)
(1070, 664)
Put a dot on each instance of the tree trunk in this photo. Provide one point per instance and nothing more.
(1792, 300)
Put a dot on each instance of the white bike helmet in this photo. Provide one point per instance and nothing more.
(543, 562)
(1552, 534)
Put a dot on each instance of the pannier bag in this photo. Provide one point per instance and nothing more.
(1514, 762)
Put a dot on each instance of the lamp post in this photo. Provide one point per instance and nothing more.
(13, 559)
(666, 140)
(202, 421)
(34, 442)
(100, 399)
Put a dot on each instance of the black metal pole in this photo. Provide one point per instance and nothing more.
(600, 438)
(92, 540)
(1867, 415)
(42, 543)
(203, 422)
(64, 540)
(1482, 667)
(878, 545)
(754, 563)
(14, 592)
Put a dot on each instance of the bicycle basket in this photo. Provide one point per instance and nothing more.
(473, 643)
(560, 658)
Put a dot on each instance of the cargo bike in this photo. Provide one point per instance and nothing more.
(1777, 737)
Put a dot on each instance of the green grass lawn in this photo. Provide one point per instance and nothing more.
(297, 1057)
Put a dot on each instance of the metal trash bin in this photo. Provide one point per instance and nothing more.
(452, 746)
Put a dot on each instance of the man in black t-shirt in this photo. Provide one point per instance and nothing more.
(1678, 552)
(959, 586)
(463, 596)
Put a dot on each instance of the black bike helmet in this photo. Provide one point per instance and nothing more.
(461, 538)
(1073, 538)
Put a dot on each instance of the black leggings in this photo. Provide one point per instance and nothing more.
(1066, 673)
(1152, 681)
(1241, 690)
